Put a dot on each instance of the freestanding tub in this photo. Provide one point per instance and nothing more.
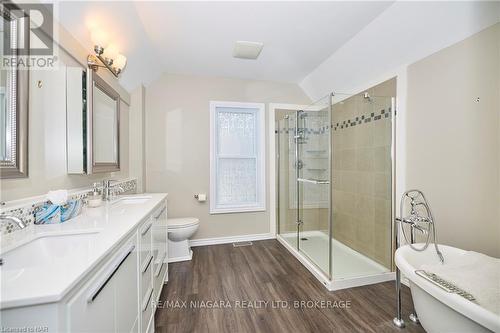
(438, 310)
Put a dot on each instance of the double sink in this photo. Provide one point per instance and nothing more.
(48, 248)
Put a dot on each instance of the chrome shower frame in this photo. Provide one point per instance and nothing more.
(327, 278)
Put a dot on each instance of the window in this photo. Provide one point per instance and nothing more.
(237, 165)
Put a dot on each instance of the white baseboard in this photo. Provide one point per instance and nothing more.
(230, 239)
(183, 258)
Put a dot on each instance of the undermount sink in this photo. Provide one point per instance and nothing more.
(46, 250)
(136, 200)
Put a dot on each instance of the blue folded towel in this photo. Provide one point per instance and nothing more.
(71, 209)
(51, 214)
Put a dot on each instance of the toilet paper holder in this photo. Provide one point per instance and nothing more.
(200, 197)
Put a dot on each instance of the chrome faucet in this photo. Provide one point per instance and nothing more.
(13, 219)
(415, 218)
(107, 189)
(422, 221)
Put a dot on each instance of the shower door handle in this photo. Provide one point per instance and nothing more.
(313, 181)
(299, 222)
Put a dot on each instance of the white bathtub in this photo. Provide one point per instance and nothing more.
(438, 310)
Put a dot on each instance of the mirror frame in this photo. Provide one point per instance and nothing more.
(94, 80)
(17, 165)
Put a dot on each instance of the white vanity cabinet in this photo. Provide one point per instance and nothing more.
(146, 275)
(122, 297)
(108, 302)
(117, 293)
(160, 254)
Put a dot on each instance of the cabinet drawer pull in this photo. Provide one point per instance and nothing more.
(147, 229)
(116, 265)
(162, 261)
(159, 270)
(159, 214)
(146, 303)
(146, 266)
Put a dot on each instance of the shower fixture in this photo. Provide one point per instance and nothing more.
(367, 96)
(300, 136)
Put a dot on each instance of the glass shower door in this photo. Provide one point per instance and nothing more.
(313, 172)
(286, 177)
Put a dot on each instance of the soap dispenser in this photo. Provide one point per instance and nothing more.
(95, 199)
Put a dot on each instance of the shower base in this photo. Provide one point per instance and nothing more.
(350, 268)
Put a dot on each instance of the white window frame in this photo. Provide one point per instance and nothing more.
(260, 204)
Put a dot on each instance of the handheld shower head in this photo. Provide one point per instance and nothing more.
(420, 218)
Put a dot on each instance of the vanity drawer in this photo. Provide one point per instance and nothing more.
(161, 266)
(111, 288)
(145, 240)
(159, 243)
(146, 272)
(147, 309)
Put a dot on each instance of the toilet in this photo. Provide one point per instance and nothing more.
(179, 232)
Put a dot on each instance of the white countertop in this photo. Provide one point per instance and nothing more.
(48, 276)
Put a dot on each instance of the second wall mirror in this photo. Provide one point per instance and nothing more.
(93, 123)
(104, 134)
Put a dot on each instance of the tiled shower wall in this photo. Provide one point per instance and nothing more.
(361, 141)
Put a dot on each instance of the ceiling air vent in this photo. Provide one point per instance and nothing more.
(247, 50)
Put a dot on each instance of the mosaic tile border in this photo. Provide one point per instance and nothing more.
(321, 130)
(363, 119)
(27, 212)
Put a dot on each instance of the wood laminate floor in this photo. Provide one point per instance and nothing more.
(225, 289)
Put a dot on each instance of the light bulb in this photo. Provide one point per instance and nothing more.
(99, 38)
(110, 53)
(120, 62)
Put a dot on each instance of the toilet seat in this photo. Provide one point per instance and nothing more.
(182, 222)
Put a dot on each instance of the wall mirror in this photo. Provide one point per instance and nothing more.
(104, 117)
(14, 103)
(93, 122)
(76, 120)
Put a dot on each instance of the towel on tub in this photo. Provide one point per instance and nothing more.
(476, 273)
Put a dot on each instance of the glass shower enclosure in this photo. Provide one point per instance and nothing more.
(335, 187)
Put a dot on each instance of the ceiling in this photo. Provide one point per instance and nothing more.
(198, 37)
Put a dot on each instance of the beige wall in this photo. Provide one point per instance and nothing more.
(47, 138)
(362, 173)
(178, 144)
(453, 146)
(137, 137)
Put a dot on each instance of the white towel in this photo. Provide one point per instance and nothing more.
(476, 273)
(58, 197)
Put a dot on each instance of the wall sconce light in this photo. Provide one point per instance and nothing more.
(106, 55)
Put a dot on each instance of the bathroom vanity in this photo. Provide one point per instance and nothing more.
(101, 271)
